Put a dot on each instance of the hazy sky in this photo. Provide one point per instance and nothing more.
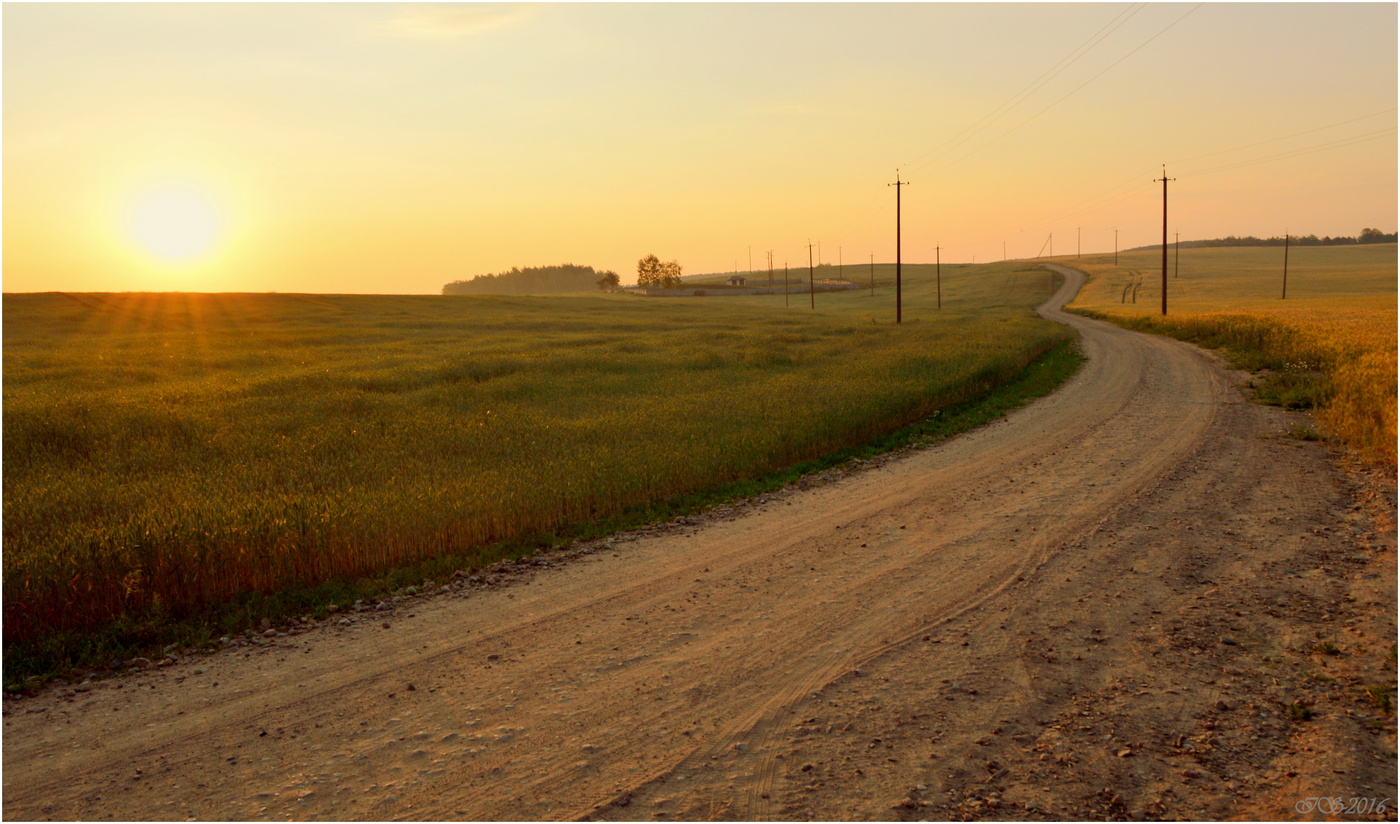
(376, 148)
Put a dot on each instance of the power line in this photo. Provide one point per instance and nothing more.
(1134, 186)
(1034, 86)
(1335, 144)
(1288, 137)
(1074, 91)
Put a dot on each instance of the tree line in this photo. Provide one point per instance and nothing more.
(1366, 236)
(535, 280)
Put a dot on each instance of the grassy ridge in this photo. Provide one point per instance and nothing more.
(168, 452)
(1331, 345)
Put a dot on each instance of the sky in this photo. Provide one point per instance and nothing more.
(392, 148)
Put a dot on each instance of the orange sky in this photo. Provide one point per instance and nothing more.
(375, 148)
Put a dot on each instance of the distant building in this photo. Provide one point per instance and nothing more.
(736, 280)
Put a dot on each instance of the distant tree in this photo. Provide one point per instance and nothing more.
(671, 273)
(609, 282)
(532, 280)
(1375, 236)
(652, 272)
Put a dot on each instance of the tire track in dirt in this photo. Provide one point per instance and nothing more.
(661, 677)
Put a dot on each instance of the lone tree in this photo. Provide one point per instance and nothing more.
(652, 272)
(609, 282)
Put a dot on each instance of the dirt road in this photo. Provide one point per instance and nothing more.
(1102, 606)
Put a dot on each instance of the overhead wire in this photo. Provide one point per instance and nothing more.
(1133, 188)
(1278, 139)
(1075, 90)
(1334, 144)
(1034, 86)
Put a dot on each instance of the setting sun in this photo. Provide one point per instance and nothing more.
(177, 223)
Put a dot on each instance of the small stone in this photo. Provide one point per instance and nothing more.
(1228, 641)
(493, 657)
(269, 633)
(1125, 753)
(345, 622)
(385, 625)
(140, 662)
(1222, 706)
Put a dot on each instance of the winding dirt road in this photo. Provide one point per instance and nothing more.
(1101, 606)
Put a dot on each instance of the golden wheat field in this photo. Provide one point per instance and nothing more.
(168, 451)
(1331, 342)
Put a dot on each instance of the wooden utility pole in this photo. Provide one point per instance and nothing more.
(938, 270)
(1164, 180)
(1285, 265)
(1115, 247)
(898, 258)
(770, 268)
(811, 280)
(785, 285)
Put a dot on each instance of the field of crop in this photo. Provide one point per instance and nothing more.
(165, 452)
(1330, 345)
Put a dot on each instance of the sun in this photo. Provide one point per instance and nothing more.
(175, 222)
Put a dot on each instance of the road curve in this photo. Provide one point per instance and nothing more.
(670, 674)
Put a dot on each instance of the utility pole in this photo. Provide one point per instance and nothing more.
(1115, 247)
(1164, 180)
(938, 269)
(770, 268)
(1003, 251)
(1285, 264)
(898, 259)
(785, 285)
(819, 253)
(811, 281)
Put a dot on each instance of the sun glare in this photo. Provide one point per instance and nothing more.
(176, 223)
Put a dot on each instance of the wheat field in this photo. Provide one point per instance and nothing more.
(168, 451)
